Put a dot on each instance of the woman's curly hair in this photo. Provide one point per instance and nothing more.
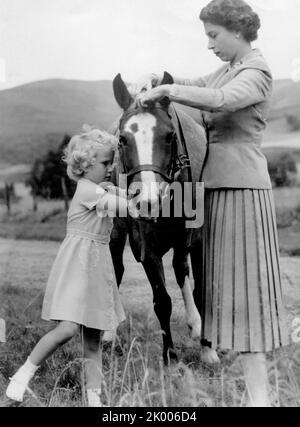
(234, 15)
(81, 152)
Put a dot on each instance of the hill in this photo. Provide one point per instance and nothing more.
(35, 116)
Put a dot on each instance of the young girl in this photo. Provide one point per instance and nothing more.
(81, 290)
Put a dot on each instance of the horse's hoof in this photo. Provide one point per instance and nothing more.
(171, 357)
(195, 328)
(209, 356)
(108, 336)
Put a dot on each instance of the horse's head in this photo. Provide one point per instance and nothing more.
(147, 146)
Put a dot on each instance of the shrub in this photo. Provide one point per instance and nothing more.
(282, 169)
(47, 174)
(293, 121)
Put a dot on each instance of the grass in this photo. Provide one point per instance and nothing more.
(133, 372)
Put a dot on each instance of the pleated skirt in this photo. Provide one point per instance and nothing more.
(242, 307)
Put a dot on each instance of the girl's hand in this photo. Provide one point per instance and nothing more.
(153, 95)
(106, 185)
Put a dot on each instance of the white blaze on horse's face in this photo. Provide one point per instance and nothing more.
(141, 126)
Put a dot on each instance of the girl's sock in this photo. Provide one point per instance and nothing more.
(93, 397)
(19, 382)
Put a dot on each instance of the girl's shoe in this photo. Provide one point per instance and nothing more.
(19, 382)
(17, 386)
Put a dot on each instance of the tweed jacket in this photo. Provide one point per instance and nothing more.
(234, 103)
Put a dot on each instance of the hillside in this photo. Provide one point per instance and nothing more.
(35, 116)
(35, 113)
(286, 98)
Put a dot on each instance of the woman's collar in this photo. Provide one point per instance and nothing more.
(254, 53)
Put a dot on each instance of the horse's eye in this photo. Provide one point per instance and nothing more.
(122, 141)
(170, 137)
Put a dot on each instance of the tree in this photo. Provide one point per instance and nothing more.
(49, 176)
(283, 169)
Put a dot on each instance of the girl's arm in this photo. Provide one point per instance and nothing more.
(114, 201)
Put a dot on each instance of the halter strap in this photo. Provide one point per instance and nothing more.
(149, 168)
(179, 160)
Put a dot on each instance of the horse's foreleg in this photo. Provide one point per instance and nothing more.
(117, 245)
(162, 303)
(208, 355)
(182, 273)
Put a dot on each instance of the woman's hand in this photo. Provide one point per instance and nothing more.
(145, 82)
(153, 95)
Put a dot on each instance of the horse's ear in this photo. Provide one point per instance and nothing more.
(122, 95)
(167, 79)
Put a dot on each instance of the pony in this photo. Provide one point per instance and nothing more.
(152, 155)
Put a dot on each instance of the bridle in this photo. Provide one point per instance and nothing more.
(179, 160)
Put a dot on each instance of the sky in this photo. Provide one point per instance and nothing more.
(97, 39)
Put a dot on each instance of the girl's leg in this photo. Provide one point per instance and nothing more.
(256, 377)
(52, 341)
(44, 348)
(92, 364)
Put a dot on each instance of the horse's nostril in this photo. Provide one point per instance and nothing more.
(149, 208)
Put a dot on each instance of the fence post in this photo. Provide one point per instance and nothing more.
(34, 198)
(8, 197)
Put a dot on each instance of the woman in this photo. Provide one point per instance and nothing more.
(242, 304)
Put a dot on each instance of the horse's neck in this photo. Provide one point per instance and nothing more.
(193, 138)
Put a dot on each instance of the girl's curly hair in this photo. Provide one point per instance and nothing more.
(81, 152)
(234, 15)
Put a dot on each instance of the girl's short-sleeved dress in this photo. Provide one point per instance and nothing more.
(82, 286)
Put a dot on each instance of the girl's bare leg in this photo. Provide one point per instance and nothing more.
(256, 377)
(52, 341)
(93, 364)
(44, 348)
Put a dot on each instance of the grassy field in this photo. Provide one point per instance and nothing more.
(133, 371)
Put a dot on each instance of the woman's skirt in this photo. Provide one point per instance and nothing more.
(242, 306)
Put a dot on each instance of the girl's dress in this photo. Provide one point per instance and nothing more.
(82, 287)
(242, 302)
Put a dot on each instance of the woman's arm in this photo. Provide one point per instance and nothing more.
(198, 82)
(249, 87)
(154, 80)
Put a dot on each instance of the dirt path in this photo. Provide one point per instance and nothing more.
(27, 264)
